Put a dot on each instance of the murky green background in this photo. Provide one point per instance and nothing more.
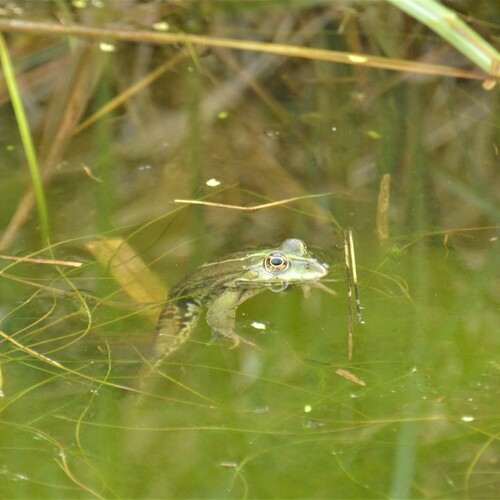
(283, 422)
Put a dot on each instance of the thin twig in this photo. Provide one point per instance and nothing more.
(250, 209)
(31, 351)
(42, 261)
(349, 293)
(350, 376)
(352, 258)
(352, 282)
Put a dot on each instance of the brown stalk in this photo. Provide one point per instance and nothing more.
(273, 48)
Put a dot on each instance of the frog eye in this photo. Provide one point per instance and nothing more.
(276, 263)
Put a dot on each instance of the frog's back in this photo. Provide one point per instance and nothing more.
(208, 279)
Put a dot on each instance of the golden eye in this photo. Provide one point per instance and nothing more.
(276, 263)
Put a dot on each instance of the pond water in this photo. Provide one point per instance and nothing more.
(414, 413)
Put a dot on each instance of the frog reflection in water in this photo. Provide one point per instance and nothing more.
(223, 285)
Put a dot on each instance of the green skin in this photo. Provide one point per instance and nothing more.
(223, 285)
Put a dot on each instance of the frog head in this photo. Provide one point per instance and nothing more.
(288, 264)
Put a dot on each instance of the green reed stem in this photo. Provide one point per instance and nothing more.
(27, 140)
(448, 25)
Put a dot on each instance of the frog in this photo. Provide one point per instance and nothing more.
(222, 286)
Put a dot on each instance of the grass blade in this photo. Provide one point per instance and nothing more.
(449, 26)
(27, 140)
